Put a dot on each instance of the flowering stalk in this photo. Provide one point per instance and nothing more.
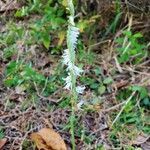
(73, 70)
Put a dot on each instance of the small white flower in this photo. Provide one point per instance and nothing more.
(77, 70)
(69, 54)
(72, 34)
(68, 82)
(80, 89)
(80, 104)
(65, 56)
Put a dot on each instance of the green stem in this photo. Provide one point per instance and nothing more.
(72, 121)
(74, 95)
(73, 105)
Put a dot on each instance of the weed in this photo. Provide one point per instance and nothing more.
(131, 49)
(18, 73)
(100, 147)
(115, 22)
(9, 52)
(132, 120)
(27, 144)
(65, 103)
(24, 78)
(51, 20)
(97, 81)
(84, 56)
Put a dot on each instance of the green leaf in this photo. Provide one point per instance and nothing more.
(146, 101)
(138, 35)
(142, 90)
(22, 12)
(101, 89)
(97, 71)
(108, 80)
(46, 42)
(127, 33)
(1, 133)
(9, 82)
(94, 86)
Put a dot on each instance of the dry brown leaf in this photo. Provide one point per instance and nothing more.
(143, 141)
(52, 139)
(39, 141)
(48, 139)
(140, 139)
(146, 145)
(2, 142)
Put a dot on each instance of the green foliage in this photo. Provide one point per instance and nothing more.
(114, 139)
(100, 148)
(28, 144)
(143, 94)
(1, 133)
(113, 26)
(108, 80)
(18, 73)
(134, 110)
(129, 47)
(100, 83)
(83, 55)
(65, 103)
(24, 76)
(134, 115)
(117, 19)
(141, 90)
(9, 52)
(39, 31)
(41, 28)
(14, 33)
(37, 6)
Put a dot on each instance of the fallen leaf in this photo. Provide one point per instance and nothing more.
(143, 141)
(140, 139)
(2, 142)
(39, 142)
(48, 139)
(146, 145)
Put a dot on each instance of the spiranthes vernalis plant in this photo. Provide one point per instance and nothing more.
(73, 71)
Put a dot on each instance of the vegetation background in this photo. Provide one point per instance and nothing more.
(113, 49)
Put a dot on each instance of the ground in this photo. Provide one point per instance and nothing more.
(113, 49)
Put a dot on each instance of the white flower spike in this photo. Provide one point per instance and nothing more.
(69, 57)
